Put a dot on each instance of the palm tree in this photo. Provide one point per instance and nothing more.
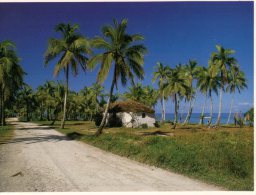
(191, 72)
(49, 88)
(71, 48)
(143, 94)
(175, 86)
(161, 73)
(97, 90)
(136, 93)
(236, 81)
(208, 82)
(11, 75)
(26, 97)
(58, 96)
(223, 61)
(120, 51)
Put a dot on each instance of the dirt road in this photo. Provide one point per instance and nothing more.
(42, 159)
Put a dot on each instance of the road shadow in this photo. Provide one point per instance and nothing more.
(34, 128)
(155, 133)
(37, 139)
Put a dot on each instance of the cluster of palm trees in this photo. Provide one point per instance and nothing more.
(11, 76)
(187, 81)
(122, 54)
(46, 102)
(115, 47)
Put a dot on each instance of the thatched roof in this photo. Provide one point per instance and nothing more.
(129, 106)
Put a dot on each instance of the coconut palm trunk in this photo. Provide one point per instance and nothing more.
(105, 115)
(163, 109)
(176, 111)
(191, 106)
(201, 122)
(186, 119)
(211, 111)
(2, 108)
(220, 106)
(65, 100)
(231, 105)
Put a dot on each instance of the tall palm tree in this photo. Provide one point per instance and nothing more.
(209, 82)
(71, 49)
(11, 75)
(120, 51)
(223, 61)
(236, 81)
(176, 86)
(191, 72)
(161, 74)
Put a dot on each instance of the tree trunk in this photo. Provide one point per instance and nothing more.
(176, 111)
(48, 114)
(2, 108)
(202, 113)
(65, 102)
(186, 119)
(220, 106)
(55, 112)
(191, 110)
(41, 113)
(1, 105)
(163, 109)
(211, 110)
(27, 110)
(231, 105)
(103, 122)
(162, 104)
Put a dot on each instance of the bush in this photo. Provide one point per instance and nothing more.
(98, 118)
(144, 126)
(114, 121)
(157, 125)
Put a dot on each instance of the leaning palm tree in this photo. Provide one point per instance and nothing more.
(191, 71)
(118, 50)
(175, 86)
(209, 82)
(223, 61)
(236, 81)
(161, 73)
(71, 49)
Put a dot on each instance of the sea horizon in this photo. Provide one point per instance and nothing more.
(195, 117)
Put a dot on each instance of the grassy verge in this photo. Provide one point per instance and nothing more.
(6, 133)
(219, 156)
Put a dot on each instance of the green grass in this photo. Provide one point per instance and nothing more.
(221, 156)
(6, 133)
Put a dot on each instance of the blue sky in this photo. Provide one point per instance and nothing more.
(174, 33)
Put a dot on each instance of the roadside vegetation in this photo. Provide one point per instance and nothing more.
(6, 133)
(219, 156)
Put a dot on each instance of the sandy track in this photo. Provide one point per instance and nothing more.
(42, 159)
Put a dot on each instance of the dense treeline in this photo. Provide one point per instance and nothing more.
(125, 52)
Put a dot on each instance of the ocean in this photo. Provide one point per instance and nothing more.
(195, 117)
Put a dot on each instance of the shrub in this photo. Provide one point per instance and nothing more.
(98, 118)
(115, 121)
(157, 125)
(144, 126)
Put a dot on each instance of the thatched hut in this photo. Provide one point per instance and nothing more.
(131, 114)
